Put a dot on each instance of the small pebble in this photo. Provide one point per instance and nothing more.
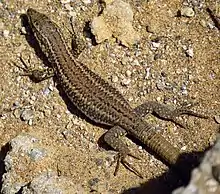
(27, 114)
(136, 63)
(189, 52)
(17, 113)
(155, 45)
(65, 1)
(73, 15)
(93, 182)
(211, 25)
(68, 7)
(46, 112)
(157, 56)
(160, 85)
(212, 186)
(128, 73)
(114, 79)
(6, 33)
(203, 23)
(130, 99)
(30, 122)
(158, 99)
(187, 12)
(16, 104)
(31, 102)
(184, 90)
(125, 82)
(147, 76)
(183, 148)
(86, 1)
(124, 61)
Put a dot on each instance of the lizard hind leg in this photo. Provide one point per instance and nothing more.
(113, 139)
(166, 112)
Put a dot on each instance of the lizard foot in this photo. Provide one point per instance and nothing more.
(121, 159)
(37, 75)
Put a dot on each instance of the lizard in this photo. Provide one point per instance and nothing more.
(99, 100)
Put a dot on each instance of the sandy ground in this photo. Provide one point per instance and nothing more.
(176, 62)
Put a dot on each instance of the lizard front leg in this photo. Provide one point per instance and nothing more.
(36, 75)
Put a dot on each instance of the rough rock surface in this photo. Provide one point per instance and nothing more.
(25, 170)
(49, 183)
(206, 178)
(116, 20)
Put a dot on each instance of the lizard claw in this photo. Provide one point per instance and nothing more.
(121, 159)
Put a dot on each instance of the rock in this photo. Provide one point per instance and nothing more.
(6, 33)
(18, 160)
(187, 12)
(205, 178)
(114, 78)
(27, 170)
(49, 182)
(27, 114)
(116, 20)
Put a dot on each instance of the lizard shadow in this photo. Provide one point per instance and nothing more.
(171, 179)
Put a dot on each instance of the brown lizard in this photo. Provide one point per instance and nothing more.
(98, 100)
